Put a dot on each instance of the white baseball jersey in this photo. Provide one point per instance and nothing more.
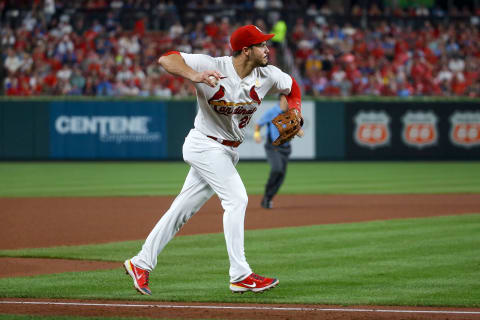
(225, 111)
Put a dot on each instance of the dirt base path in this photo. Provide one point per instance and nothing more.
(171, 310)
(44, 222)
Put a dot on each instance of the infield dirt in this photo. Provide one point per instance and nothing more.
(46, 222)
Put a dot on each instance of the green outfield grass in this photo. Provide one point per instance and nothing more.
(30, 179)
(415, 262)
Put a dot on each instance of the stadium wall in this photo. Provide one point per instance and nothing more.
(92, 129)
(412, 131)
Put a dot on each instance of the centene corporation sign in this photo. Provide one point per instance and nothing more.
(109, 128)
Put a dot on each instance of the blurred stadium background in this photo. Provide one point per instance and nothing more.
(381, 79)
(335, 48)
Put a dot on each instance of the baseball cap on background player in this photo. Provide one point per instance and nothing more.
(248, 35)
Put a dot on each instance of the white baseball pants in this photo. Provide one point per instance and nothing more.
(212, 171)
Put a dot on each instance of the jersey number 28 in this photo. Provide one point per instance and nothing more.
(244, 121)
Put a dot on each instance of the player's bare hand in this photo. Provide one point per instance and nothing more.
(210, 78)
(300, 133)
(257, 136)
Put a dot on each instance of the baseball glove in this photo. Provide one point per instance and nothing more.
(288, 125)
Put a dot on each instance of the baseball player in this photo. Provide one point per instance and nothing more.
(277, 156)
(229, 90)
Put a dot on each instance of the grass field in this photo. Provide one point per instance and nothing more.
(166, 178)
(416, 262)
(397, 262)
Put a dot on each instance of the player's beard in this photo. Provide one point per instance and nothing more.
(264, 61)
(261, 62)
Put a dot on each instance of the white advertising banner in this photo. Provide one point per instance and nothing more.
(302, 148)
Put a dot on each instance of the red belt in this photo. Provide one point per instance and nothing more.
(229, 143)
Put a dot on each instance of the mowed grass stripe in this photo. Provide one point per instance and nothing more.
(166, 178)
(72, 188)
(424, 262)
(328, 187)
(386, 188)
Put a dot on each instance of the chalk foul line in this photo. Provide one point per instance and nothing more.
(166, 306)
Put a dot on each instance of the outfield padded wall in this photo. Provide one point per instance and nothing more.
(108, 130)
(412, 131)
(180, 118)
(134, 129)
(330, 130)
(94, 129)
(24, 130)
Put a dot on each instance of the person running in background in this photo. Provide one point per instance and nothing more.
(277, 156)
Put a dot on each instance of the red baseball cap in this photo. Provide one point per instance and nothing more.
(248, 35)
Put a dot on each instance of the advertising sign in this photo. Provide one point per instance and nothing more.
(465, 129)
(412, 131)
(372, 129)
(107, 130)
(420, 129)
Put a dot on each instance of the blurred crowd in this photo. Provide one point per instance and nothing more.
(110, 48)
(390, 60)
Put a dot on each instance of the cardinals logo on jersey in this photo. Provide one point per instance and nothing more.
(254, 95)
(218, 95)
(229, 108)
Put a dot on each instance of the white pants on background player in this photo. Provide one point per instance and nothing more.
(212, 171)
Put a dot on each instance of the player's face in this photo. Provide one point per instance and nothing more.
(259, 54)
